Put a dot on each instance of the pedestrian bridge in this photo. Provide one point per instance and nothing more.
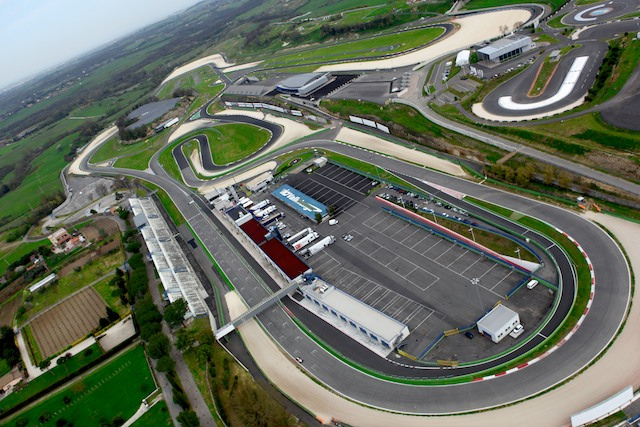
(254, 311)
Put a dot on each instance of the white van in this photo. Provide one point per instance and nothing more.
(532, 284)
(333, 221)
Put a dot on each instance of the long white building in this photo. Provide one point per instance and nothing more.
(178, 277)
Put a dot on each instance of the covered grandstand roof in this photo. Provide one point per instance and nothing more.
(176, 274)
(286, 260)
(299, 80)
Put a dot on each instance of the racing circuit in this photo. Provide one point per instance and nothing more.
(389, 249)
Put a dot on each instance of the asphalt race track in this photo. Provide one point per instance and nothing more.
(601, 12)
(189, 175)
(609, 306)
(519, 86)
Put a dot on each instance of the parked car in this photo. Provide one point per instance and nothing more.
(469, 335)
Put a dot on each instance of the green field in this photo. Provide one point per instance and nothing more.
(107, 294)
(157, 416)
(115, 390)
(233, 142)
(42, 181)
(4, 367)
(544, 74)
(70, 283)
(131, 156)
(375, 46)
(19, 251)
(55, 374)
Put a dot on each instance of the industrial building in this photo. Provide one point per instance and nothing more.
(362, 318)
(505, 49)
(178, 278)
(498, 323)
(299, 201)
(303, 84)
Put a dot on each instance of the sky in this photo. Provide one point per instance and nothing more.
(38, 34)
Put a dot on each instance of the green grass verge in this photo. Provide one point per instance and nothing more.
(170, 207)
(139, 160)
(114, 390)
(34, 351)
(557, 22)
(70, 283)
(157, 416)
(544, 74)
(233, 142)
(52, 376)
(375, 46)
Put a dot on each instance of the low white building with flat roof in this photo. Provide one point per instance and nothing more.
(497, 323)
(505, 49)
(362, 318)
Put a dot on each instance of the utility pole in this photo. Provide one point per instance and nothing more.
(472, 234)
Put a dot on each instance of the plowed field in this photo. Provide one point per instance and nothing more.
(68, 321)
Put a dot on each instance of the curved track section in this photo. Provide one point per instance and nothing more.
(188, 173)
(605, 316)
(573, 76)
(599, 13)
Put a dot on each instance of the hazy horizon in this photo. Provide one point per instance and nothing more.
(47, 33)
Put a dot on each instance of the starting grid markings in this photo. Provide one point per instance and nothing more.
(377, 296)
(450, 256)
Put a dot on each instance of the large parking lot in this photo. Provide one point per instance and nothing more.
(406, 271)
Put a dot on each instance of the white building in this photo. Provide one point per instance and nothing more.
(505, 49)
(498, 323)
(463, 57)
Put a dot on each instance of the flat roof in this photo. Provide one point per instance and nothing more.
(383, 326)
(497, 318)
(176, 274)
(505, 44)
(255, 231)
(299, 80)
(299, 201)
(288, 262)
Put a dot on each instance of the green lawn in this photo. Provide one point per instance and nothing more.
(233, 142)
(157, 416)
(375, 46)
(544, 74)
(140, 159)
(52, 376)
(107, 294)
(114, 390)
(168, 162)
(557, 21)
(7, 258)
(70, 283)
(34, 351)
(4, 367)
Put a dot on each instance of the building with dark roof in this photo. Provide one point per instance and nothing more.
(303, 84)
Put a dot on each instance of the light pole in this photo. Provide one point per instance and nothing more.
(475, 281)
(472, 234)
(375, 166)
(518, 252)
(434, 216)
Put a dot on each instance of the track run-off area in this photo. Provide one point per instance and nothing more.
(279, 336)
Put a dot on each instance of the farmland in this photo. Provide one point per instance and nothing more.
(68, 321)
(112, 392)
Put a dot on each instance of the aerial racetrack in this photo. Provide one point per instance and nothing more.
(378, 383)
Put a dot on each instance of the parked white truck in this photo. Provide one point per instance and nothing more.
(317, 247)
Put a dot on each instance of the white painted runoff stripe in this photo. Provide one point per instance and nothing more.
(567, 86)
(579, 17)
